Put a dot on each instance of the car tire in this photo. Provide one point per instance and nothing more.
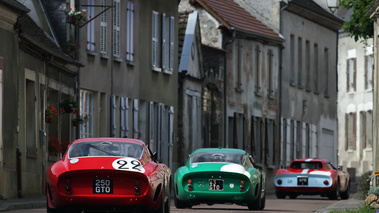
(334, 194)
(256, 205)
(293, 196)
(280, 195)
(263, 201)
(179, 204)
(345, 195)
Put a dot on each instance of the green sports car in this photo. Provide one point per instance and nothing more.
(220, 175)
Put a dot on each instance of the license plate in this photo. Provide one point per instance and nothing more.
(102, 186)
(216, 185)
(302, 181)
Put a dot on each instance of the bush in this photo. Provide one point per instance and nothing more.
(363, 186)
(373, 190)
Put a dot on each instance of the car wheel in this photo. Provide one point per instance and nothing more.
(280, 195)
(179, 204)
(345, 195)
(256, 205)
(293, 196)
(162, 205)
(263, 201)
(168, 201)
(334, 194)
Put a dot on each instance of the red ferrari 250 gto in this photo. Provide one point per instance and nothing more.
(108, 174)
(312, 177)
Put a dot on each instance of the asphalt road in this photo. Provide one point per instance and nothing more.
(301, 204)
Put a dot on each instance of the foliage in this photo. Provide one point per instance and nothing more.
(373, 190)
(363, 185)
(57, 146)
(80, 119)
(50, 113)
(360, 25)
(76, 17)
(72, 46)
(68, 104)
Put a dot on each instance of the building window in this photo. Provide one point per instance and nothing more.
(270, 144)
(167, 43)
(124, 117)
(257, 69)
(315, 67)
(351, 70)
(239, 64)
(86, 110)
(116, 28)
(129, 31)
(258, 139)
(270, 56)
(300, 62)
(155, 41)
(292, 60)
(326, 72)
(103, 28)
(350, 130)
(91, 26)
(307, 66)
(369, 129)
(135, 118)
(369, 67)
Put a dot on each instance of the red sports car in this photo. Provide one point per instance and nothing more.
(108, 174)
(312, 177)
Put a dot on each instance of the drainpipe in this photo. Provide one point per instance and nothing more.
(225, 96)
(77, 56)
(283, 164)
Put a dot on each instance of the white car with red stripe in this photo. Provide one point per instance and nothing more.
(312, 177)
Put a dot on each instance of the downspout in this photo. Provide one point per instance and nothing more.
(77, 35)
(280, 84)
(225, 96)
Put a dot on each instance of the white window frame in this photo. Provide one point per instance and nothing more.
(86, 108)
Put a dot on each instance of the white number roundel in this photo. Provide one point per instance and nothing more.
(128, 164)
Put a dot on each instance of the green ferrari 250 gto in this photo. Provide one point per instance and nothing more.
(220, 175)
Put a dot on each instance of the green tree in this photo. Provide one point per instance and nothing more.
(360, 25)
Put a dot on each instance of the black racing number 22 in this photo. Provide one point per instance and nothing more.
(123, 164)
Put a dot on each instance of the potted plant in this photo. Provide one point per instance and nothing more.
(80, 119)
(68, 104)
(72, 46)
(50, 113)
(76, 17)
(56, 146)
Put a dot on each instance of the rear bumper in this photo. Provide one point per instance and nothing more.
(305, 190)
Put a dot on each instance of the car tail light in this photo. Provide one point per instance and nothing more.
(190, 185)
(326, 182)
(68, 187)
(242, 186)
(279, 181)
(137, 187)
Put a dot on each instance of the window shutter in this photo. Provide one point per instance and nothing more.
(348, 75)
(129, 31)
(172, 42)
(113, 115)
(355, 74)
(151, 127)
(116, 28)
(103, 29)
(155, 39)
(135, 118)
(164, 41)
(91, 26)
(124, 117)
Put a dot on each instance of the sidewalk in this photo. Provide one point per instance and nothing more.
(350, 204)
(22, 203)
(40, 202)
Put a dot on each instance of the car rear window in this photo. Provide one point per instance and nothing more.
(306, 165)
(206, 157)
(105, 148)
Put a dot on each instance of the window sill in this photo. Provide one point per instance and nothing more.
(104, 56)
(117, 59)
(91, 52)
(130, 63)
(168, 72)
(258, 93)
(157, 69)
(239, 90)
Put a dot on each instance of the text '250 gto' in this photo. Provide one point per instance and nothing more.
(312, 177)
(217, 175)
(108, 174)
